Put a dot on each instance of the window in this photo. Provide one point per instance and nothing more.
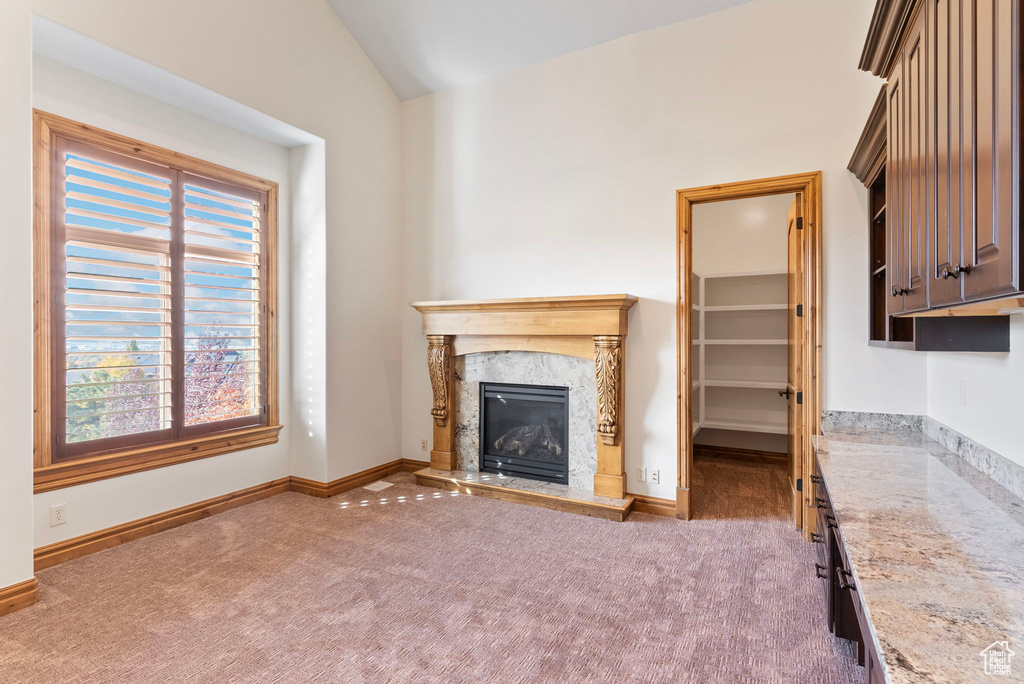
(155, 297)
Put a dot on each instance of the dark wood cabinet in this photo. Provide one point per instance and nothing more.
(847, 618)
(869, 165)
(947, 245)
(910, 207)
(976, 52)
(991, 242)
(950, 161)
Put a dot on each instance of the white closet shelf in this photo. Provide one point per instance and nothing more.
(746, 384)
(745, 307)
(745, 274)
(770, 428)
(747, 342)
(739, 329)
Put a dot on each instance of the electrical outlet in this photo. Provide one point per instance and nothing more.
(423, 445)
(655, 477)
(963, 393)
(641, 474)
(58, 515)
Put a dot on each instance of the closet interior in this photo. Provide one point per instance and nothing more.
(739, 352)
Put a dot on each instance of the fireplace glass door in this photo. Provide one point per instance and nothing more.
(524, 431)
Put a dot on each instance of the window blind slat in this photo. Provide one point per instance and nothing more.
(77, 165)
(131, 230)
(117, 299)
(222, 340)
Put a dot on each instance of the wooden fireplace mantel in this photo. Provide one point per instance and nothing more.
(591, 326)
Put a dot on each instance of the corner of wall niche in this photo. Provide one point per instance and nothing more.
(301, 253)
(307, 440)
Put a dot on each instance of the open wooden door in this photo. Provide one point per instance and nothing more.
(803, 387)
(794, 381)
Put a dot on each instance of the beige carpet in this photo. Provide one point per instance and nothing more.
(416, 585)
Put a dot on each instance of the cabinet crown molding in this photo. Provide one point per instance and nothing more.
(869, 155)
(888, 22)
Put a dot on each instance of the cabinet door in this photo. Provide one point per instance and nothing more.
(918, 182)
(896, 210)
(945, 253)
(991, 241)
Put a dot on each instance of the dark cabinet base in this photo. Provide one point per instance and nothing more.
(962, 333)
(948, 334)
(847, 618)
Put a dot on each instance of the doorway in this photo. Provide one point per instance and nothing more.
(749, 330)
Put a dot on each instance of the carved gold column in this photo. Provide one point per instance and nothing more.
(439, 364)
(609, 356)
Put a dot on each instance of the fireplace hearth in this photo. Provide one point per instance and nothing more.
(524, 431)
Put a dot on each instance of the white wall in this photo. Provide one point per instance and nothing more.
(993, 411)
(64, 91)
(295, 62)
(569, 168)
(298, 63)
(741, 235)
(16, 284)
(307, 419)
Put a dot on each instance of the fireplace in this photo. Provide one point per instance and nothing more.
(524, 431)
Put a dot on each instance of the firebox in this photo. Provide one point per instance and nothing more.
(524, 431)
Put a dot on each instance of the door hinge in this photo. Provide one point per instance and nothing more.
(799, 222)
(799, 310)
(799, 397)
(799, 484)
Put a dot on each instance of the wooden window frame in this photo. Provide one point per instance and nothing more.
(52, 473)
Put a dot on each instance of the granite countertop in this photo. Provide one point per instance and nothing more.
(937, 549)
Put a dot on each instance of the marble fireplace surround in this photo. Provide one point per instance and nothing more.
(529, 368)
(591, 327)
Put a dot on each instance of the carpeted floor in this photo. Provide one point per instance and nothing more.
(417, 585)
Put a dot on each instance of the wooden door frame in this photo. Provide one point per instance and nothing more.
(808, 187)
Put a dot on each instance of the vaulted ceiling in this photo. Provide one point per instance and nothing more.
(423, 46)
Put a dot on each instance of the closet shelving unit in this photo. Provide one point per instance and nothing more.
(740, 351)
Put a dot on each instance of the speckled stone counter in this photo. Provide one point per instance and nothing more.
(937, 549)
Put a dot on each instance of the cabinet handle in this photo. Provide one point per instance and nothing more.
(843, 584)
(816, 480)
(818, 567)
(817, 538)
(956, 272)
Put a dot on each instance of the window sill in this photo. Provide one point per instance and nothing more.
(116, 464)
